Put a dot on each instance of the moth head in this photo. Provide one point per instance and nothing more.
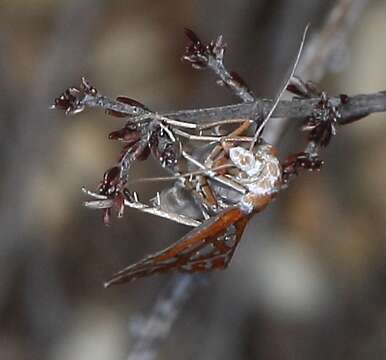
(245, 160)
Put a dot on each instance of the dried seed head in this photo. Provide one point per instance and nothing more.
(164, 147)
(110, 182)
(199, 54)
(298, 161)
(301, 88)
(87, 88)
(126, 134)
(322, 122)
(71, 99)
(344, 99)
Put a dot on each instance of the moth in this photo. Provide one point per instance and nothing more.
(212, 244)
(251, 173)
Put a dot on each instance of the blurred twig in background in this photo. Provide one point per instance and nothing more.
(148, 332)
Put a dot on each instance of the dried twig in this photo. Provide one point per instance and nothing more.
(333, 35)
(356, 108)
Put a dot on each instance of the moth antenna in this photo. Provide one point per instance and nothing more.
(283, 89)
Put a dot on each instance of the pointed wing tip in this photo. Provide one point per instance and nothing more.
(118, 279)
(114, 281)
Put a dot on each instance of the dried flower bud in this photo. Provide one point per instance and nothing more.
(136, 108)
(131, 102)
(344, 99)
(322, 122)
(298, 161)
(237, 78)
(115, 113)
(110, 182)
(164, 149)
(303, 89)
(126, 134)
(87, 88)
(119, 204)
(137, 151)
(199, 54)
(143, 154)
(71, 99)
(192, 36)
(107, 216)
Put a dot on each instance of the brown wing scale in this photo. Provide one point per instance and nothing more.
(209, 246)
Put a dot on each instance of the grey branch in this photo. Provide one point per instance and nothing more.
(357, 107)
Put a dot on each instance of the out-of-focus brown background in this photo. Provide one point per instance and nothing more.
(309, 278)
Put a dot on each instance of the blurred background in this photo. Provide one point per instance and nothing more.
(308, 281)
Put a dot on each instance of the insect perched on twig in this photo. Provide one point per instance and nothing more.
(237, 177)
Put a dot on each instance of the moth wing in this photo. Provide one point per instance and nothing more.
(209, 246)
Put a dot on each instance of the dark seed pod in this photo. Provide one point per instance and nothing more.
(107, 216)
(69, 101)
(115, 113)
(87, 88)
(128, 101)
(143, 154)
(125, 134)
(196, 53)
(301, 88)
(111, 179)
(298, 161)
(322, 122)
(163, 148)
(170, 155)
(131, 102)
(237, 78)
(62, 102)
(111, 175)
(138, 151)
(344, 99)
(119, 204)
(192, 36)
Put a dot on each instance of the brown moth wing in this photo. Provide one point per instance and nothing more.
(202, 249)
